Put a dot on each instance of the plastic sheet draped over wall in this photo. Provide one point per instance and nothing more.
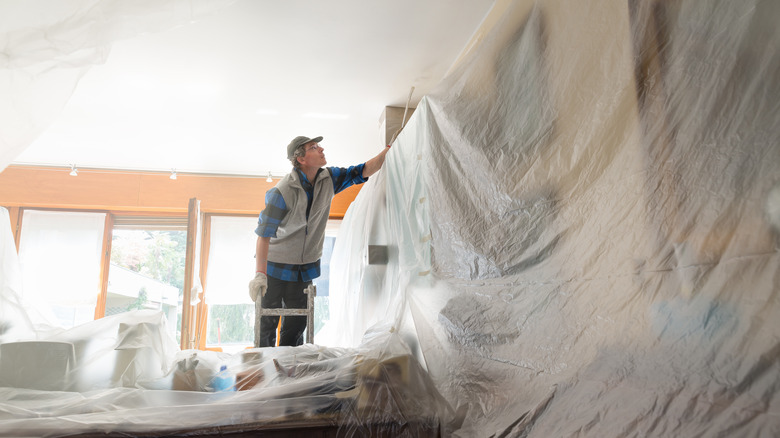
(583, 224)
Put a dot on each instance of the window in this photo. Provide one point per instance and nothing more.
(231, 264)
(60, 254)
(322, 300)
(147, 267)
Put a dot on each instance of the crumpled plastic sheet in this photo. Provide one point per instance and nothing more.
(582, 226)
(46, 48)
(124, 376)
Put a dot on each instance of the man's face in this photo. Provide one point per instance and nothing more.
(315, 155)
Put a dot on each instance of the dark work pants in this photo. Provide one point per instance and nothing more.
(289, 295)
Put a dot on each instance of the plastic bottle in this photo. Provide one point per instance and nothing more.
(224, 380)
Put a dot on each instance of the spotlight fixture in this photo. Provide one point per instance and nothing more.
(269, 179)
(173, 174)
(73, 170)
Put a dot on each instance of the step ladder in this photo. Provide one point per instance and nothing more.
(308, 312)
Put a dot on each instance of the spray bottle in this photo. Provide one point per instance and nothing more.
(224, 380)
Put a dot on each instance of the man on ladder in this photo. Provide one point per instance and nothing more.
(291, 232)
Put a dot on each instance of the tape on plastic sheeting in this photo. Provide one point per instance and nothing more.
(426, 238)
(424, 273)
(422, 199)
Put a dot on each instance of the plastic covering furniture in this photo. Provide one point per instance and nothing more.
(43, 365)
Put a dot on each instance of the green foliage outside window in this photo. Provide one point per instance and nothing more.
(234, 323)
(229, 324)
(156, 254)
(140, 301)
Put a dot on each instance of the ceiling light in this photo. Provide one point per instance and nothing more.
(269, 179)
(73, 170)
(173, 174)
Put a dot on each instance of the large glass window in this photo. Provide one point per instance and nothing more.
(231, 264)
(60, 255)
(322, 300)
(147, 267)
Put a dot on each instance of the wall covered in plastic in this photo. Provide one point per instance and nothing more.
(583, 224)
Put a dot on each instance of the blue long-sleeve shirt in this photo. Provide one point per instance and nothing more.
(276, 210)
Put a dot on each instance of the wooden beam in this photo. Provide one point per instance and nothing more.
(202, 311)
(15, 216)
(105, 266)
(45, 187)
(187, 310)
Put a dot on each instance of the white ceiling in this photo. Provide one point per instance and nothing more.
(227, 93)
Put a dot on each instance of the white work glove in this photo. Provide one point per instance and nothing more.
(258, 286)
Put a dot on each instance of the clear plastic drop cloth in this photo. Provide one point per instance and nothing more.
(46, 47)
(16, 320)
(576, 234)
(582, 224)
(124, 376)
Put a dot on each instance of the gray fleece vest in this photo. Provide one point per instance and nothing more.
(297, 240)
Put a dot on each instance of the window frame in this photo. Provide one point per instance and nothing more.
(17, 223)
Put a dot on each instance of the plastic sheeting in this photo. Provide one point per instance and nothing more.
(582, 230)
(48, 46)
(582, 224)
(124, 376)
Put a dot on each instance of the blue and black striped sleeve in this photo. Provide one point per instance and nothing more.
(271, 217)
(345, 177)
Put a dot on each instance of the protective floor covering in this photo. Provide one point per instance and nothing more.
(582, 227)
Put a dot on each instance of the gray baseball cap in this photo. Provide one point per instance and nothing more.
(297, 141)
